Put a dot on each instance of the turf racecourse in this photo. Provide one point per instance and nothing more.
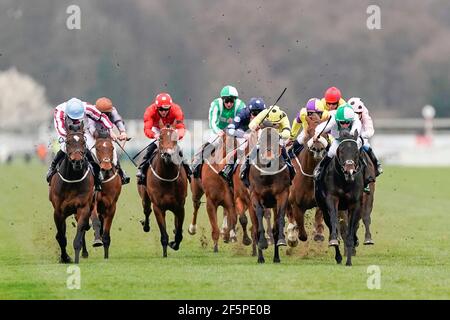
(410, 230)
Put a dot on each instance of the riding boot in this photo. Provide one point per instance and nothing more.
(288, 162)
(318, 172)
(185, 165)
(125, 178)
(198, 159)
(227, 173)
(377, 164)
(295, 150)
(142, 169)
(245, 168)
(51, 171)
(98, 175)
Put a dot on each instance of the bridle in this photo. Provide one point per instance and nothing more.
(357, 165)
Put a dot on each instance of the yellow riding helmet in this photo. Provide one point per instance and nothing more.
(275, 115)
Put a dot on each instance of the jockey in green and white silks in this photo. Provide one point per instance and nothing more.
(343, 119)
(221, 113)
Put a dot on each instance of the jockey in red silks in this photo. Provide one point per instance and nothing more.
(164, 111)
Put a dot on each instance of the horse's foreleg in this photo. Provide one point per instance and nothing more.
(84, 252)
(254, 229)
(60, 222)
(300, 219)
(96, 225)
(107, 222)
(332, 205)
(211, 208)
(197, 193)
(146, 206)
(179, 218)
(262, 240)
(83, 215)
(366, 213)
(241, 207)
(292, 228)
(230, 231)
(354, 217)
(161, 219)
(318, 225)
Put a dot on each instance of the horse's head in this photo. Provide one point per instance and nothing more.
(76, 147)
(347, 155)
(318, 148)
(104, 149)
(269, 144)
(168, 139)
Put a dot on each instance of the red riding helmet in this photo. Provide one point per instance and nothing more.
(333, 95)
(163, 100)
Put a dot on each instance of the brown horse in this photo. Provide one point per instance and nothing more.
(105, 200)
(72, 191)
(166, 187)
(218, 193)
(269, 188)
(301, 196)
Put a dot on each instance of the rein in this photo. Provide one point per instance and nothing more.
(360, 167)
(164, 179)
(74, 181)
(301, 169)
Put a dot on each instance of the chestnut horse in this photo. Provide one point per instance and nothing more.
(105, 200)
(301, 196)
(166, 187)
(72, 191)
(218, 193)
(269, 188)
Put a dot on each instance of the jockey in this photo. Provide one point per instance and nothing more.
(106, 107)
(75, 111)
(367, 130)
(221, 114)
(332, 99)
(165, 110)
(313, 106)
(343, 119)
(277, 118)
(239, 129)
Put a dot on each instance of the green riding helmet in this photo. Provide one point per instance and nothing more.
(344, 114)
(229, 91)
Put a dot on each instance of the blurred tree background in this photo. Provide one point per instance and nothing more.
(131, 50)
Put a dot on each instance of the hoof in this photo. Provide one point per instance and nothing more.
(292, 243)
(348, 264)
(261, 260)
(281, 242)
(333, 243)
(368, 242)
(175, 246)
(246, 241)
(146, 228)
(192, 229)
(303, 237)
(319, 237)
(65, 259)
(97, 243)
(233, 239)
(269, 241)
(262, 244)
(85, 254)
(276, 260)
(216, 248)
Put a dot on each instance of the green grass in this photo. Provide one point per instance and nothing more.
(410, 228)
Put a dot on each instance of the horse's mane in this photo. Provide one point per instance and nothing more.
(102, 134)
(345, 134)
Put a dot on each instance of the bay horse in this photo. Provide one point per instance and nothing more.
(341, 189)
(166, 187)
(105, 200)
(269, 188)
(301, 195)
(217, 191)
(71, 191)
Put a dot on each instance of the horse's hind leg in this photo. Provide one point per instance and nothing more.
(211, 208)
(160, 216)
(60, 222)
(262, 240)
(197, 193)
(97, 226)
(366, 212)
(146, 206)
(240, 211)
(179, 218)
(230, 230)
(254, 229)
(318, 225)
(267, 215)
(84, 252)
(83, 222)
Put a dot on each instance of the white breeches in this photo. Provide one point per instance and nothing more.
(301, 137)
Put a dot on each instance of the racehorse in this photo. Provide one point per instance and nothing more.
(341, 189)
(217, 191)
(301, 195)
(105, 200)
(72, 191)
(166, 187)
(269, 188)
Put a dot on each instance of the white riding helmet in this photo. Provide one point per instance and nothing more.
(357, 104)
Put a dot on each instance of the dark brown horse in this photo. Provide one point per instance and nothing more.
(166, 187)
(301, 196)
(72, 191)
(217, 191)
(269, 188)
(105, 200)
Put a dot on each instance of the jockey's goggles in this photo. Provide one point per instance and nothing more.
(229, 99)
(310, 113)
(164, 108)
(345, 122)
(255, 112)
(333, 103)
